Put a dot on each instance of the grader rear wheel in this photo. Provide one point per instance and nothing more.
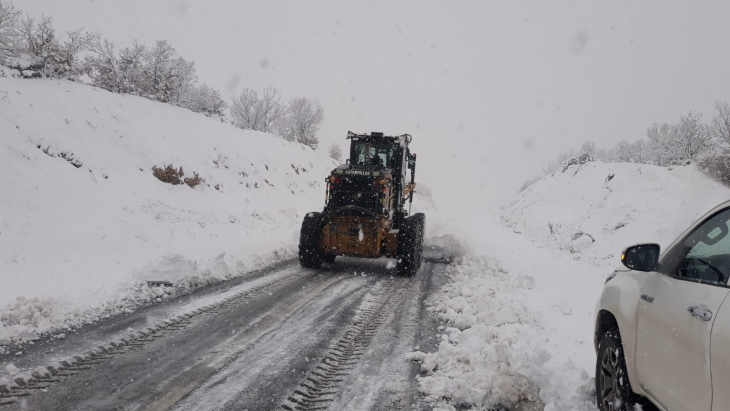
(309, 254)
(410, 245)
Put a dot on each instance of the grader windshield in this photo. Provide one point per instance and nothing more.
(372, 153)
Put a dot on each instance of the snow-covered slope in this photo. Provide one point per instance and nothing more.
(639, 203)
(520, 307)
(83, 218)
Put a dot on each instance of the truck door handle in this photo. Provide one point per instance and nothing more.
(700, 311)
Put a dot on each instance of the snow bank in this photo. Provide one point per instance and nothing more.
(495, 351)
(84, 222)
(485, 355)
(617, 204)
(519, 309)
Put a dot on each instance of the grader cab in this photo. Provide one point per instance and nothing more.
(365, 210)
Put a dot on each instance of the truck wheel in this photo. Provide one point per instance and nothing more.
(613, 391)
(407, 250)
(309, 254)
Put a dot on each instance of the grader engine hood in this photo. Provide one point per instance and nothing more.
(354, 187)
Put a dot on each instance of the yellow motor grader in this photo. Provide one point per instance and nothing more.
(364, 213)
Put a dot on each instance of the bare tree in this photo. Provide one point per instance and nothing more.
(40, 42)
(182, 79)
(261, 114)
(269, 110)
(640, 152)
(623, 151)
(588, 147)
(720, 127)
(103, 65)
(9, 31)
(663, 143)
(76, 43)
(131, 68)
(243, 110)
(335, 151)
(606, 155)
(302, 120)
(693, 136)
(157, 71)
(54, 59)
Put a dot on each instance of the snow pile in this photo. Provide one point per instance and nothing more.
(493, 354)
(520, 308)
(85, 222)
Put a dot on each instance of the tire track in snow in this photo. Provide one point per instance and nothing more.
(322, 383)
(43, 377)
(242, 346)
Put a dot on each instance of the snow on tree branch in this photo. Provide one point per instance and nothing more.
(51, 57)
(720, 127)
(9, 31)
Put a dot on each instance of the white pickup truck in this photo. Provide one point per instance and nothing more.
(662, 334)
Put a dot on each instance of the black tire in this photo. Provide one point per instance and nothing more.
(421, 223)
(410, 245)
(329, 258)
(612, 379)
(309, 254)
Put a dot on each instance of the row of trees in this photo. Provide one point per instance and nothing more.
(156, 72)
(298, 121)
(35, 48)
(667, 144)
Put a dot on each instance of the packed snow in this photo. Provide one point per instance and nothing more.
(519, 311)
(85, 223)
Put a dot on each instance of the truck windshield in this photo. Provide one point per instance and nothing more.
(370, 154)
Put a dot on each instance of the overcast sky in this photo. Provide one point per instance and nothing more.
(490, 90)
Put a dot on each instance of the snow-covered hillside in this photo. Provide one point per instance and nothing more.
(618, 204)
(520, 307)
(83, 217)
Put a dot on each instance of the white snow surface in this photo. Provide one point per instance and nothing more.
(77, 244)
(519, 311)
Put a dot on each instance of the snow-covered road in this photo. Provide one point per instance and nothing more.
(255, 344)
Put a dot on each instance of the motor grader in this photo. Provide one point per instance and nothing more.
(365, 209)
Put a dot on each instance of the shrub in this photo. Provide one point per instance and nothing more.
(578, 160)
(169, 174)
(194, 181)
(718, 166)
(175, 177)
(301, 122)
